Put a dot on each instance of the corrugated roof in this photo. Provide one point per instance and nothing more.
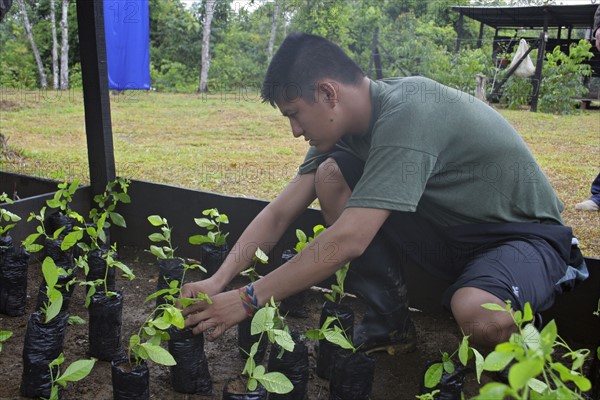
(574, 16)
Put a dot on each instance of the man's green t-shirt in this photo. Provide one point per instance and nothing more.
(442, 153)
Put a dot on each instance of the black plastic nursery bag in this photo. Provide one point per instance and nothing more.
(105, 326)
(190, 374)
(43, 343)
(130, 383)
(326, 349)
(13, 280)
(294, 365)
(212, 256)
(351, 376)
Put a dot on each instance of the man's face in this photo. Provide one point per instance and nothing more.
(314, 120)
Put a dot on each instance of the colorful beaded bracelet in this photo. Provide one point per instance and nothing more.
(249, 299)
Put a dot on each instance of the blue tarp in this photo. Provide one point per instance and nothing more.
(127, 31)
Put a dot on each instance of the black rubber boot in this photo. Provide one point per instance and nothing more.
(376, 277)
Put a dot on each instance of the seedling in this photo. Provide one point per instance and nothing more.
(533, 372)
(74, 372)
(259, 256)
(172, 294)
(167, 250)
(116, 191)
(4, 336)
(434, 373)
(111, 262)
(55, 298)
(337, 289)
(146, 343)
(8, 219)
(333, 333)
(30, 241)
(304, 240)
(268, 321)
(63, 196)
(212, 224)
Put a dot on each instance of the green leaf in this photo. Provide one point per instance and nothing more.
(531, 337)
(493, 307)
(159, 355)
(160, 323)
(448, 366)
(497, 361)
(158, 252)
(314, 334)
(433, 375)
(301, 236)
(252, 384)
(57, 361)
(276, 382)
(134, 340)
(284, 340)
(155, 220)
(118, 219)
(548, 336)
(76, 320)
(53, 203)
(463, 350)
(71, 239)
(479, 362)
(494, 390)
(261, 256)
(53, 393)
(537, 386)
(527, 313)
(76, 371)
(54, 308)
(5, 335)
(199, 239)
(205, 223)
(50, 272)
(521, 372)
(157, 237)
(567, 375)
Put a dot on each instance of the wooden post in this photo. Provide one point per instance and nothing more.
(480, 37)
(537, 79)
(480, 87)
(459, 31)
(96, 101)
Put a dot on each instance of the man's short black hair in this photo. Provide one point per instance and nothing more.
(301, 61)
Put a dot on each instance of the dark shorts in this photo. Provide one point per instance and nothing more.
(518, 268)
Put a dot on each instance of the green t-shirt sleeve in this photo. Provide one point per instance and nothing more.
(312, 160)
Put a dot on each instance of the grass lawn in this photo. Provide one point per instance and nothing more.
(233, 144)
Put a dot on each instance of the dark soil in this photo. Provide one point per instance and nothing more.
(396, 377)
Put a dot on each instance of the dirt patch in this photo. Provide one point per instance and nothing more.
(396, 377)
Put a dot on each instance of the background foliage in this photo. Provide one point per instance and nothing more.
(414, 37)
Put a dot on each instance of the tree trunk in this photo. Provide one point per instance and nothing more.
(273, 28)
(64, 47)
(210, 9)
(36, 53)
(54, 45)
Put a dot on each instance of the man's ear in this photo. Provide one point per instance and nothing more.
(328, 92)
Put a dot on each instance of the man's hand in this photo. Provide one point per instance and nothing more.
(191, 290)
(225, 311)
(598, 39)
